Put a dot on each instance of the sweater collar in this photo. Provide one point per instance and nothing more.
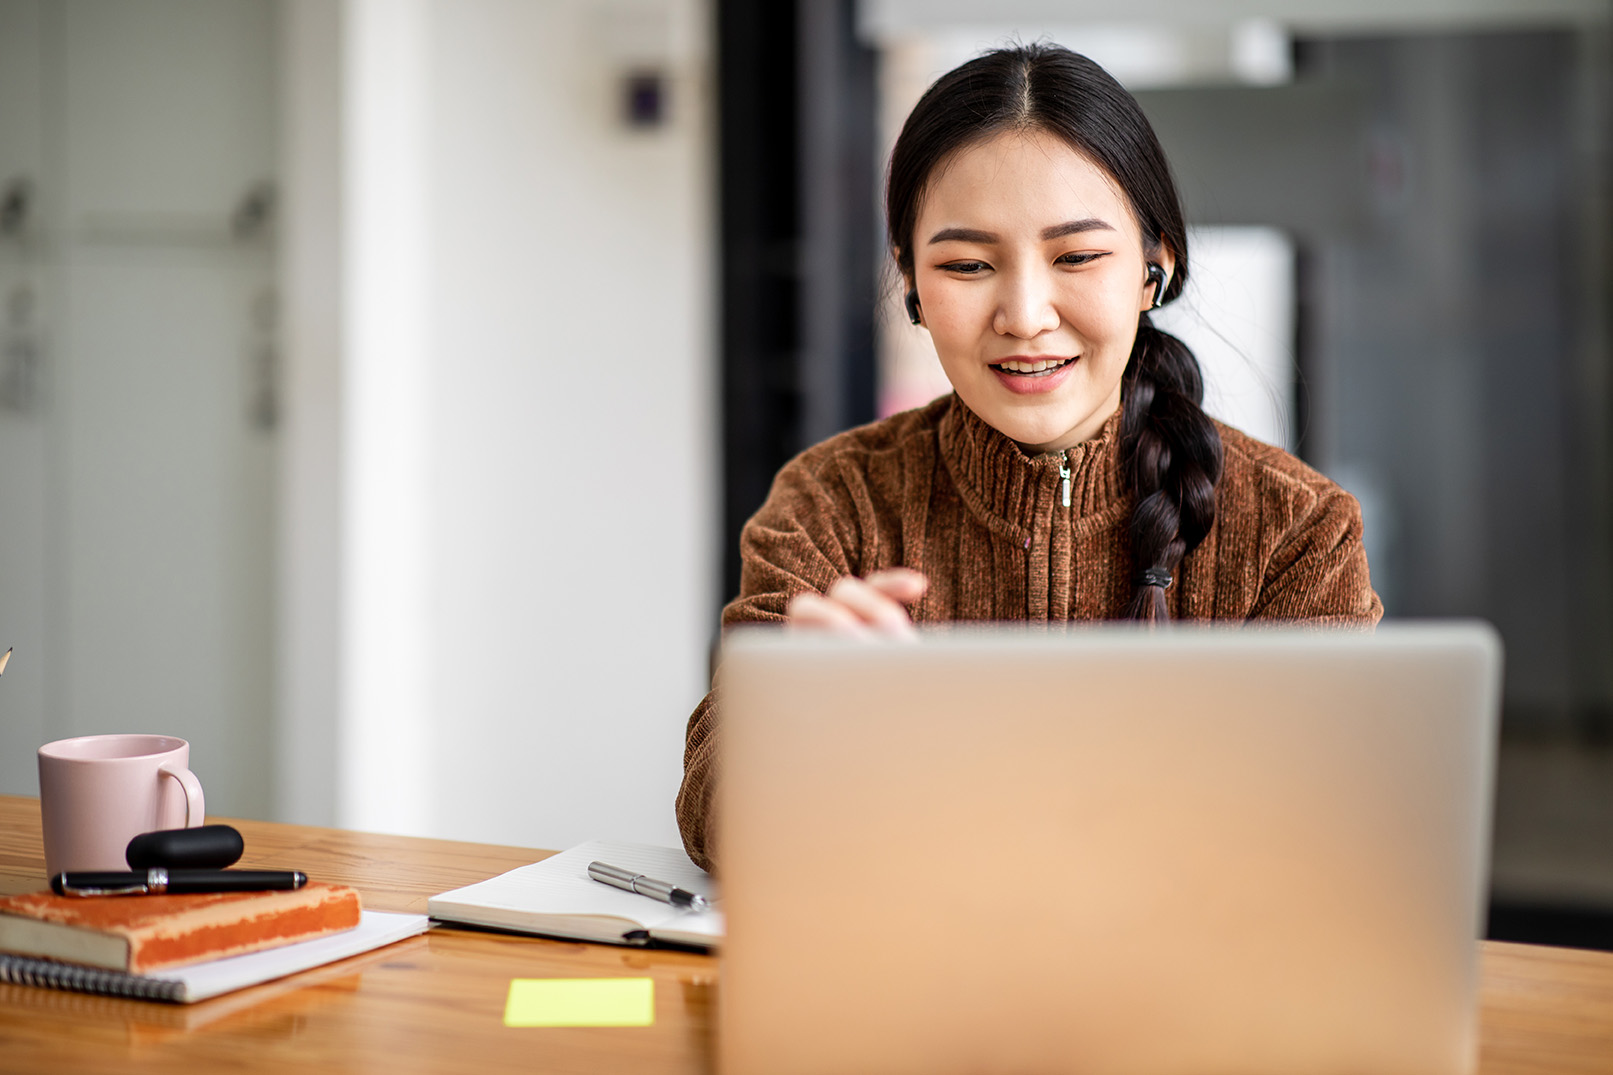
(997, 478)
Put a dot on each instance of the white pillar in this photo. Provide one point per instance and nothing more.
(354, 680)
(382, 740)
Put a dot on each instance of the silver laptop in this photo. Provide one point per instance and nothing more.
(1106, 851)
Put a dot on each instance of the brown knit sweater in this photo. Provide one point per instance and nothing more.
(938, 490)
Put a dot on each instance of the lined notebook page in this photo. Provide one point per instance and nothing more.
(560, 885)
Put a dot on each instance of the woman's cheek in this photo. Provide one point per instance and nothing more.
(949, 316)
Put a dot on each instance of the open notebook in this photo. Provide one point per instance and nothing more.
(557, 898)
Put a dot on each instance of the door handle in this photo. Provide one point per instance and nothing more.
(16, 200)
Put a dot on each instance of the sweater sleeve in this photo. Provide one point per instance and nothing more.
(803, 539)
(1318, 573)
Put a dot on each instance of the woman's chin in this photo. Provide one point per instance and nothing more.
(1036, 438)
(1052, 431)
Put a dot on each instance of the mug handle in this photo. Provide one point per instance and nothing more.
(195, 805)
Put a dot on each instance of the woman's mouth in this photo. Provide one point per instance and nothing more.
(1039, 368)
(1029, 376)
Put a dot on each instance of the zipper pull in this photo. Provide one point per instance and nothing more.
(1064, 472)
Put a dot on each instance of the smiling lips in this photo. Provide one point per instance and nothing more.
(1028, 376)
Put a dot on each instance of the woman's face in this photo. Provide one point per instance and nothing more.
(1030, 274)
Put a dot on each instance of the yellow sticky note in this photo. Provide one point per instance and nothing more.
(580, 1002)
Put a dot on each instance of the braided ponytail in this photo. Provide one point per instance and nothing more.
(1170, 457)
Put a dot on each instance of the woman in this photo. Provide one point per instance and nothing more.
(1071, 475)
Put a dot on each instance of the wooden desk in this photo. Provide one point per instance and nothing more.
(435, 1003)
(431, 1003)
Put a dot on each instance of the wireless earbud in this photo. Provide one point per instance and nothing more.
(1156, 275)
(913, 305)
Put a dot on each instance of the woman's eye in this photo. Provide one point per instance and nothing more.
(1079, 259)
(966, 268)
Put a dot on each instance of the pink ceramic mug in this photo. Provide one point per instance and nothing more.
(98, 792)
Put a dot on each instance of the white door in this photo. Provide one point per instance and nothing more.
(154, 566)
(24, 394)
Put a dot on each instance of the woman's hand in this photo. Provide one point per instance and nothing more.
(870, 607)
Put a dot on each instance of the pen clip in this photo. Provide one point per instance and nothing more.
(125, 890)
(114, 884)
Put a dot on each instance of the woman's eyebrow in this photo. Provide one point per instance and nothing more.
(963, 235)
(1072, 227)
(1052, 231)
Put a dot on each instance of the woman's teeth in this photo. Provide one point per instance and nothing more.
(1040, 366)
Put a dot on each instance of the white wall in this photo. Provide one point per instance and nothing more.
(1237, 314)
(574, 424)
(552, 612)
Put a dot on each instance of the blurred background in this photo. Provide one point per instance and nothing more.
(383, 383)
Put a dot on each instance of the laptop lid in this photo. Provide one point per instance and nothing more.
(1106, 850)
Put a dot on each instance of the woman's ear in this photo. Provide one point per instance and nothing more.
(910, 295)
(1161, 269)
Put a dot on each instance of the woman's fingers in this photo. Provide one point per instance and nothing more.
(814, 612)
(861, 608)
(872, 605)
(901, 583)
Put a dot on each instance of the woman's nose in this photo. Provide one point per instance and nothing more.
(1026, 308)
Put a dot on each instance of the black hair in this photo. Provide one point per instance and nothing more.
(1170, 451)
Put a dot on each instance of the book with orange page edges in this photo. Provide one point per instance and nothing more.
(139, 934)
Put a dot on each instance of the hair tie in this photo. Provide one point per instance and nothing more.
(1154, 576)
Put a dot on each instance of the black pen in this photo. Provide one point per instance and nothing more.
(158, 881)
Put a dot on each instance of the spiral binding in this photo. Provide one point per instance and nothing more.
(49, 974)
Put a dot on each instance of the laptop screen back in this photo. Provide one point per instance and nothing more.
(1105, 851)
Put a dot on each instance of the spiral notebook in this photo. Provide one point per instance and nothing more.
(199, 981)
